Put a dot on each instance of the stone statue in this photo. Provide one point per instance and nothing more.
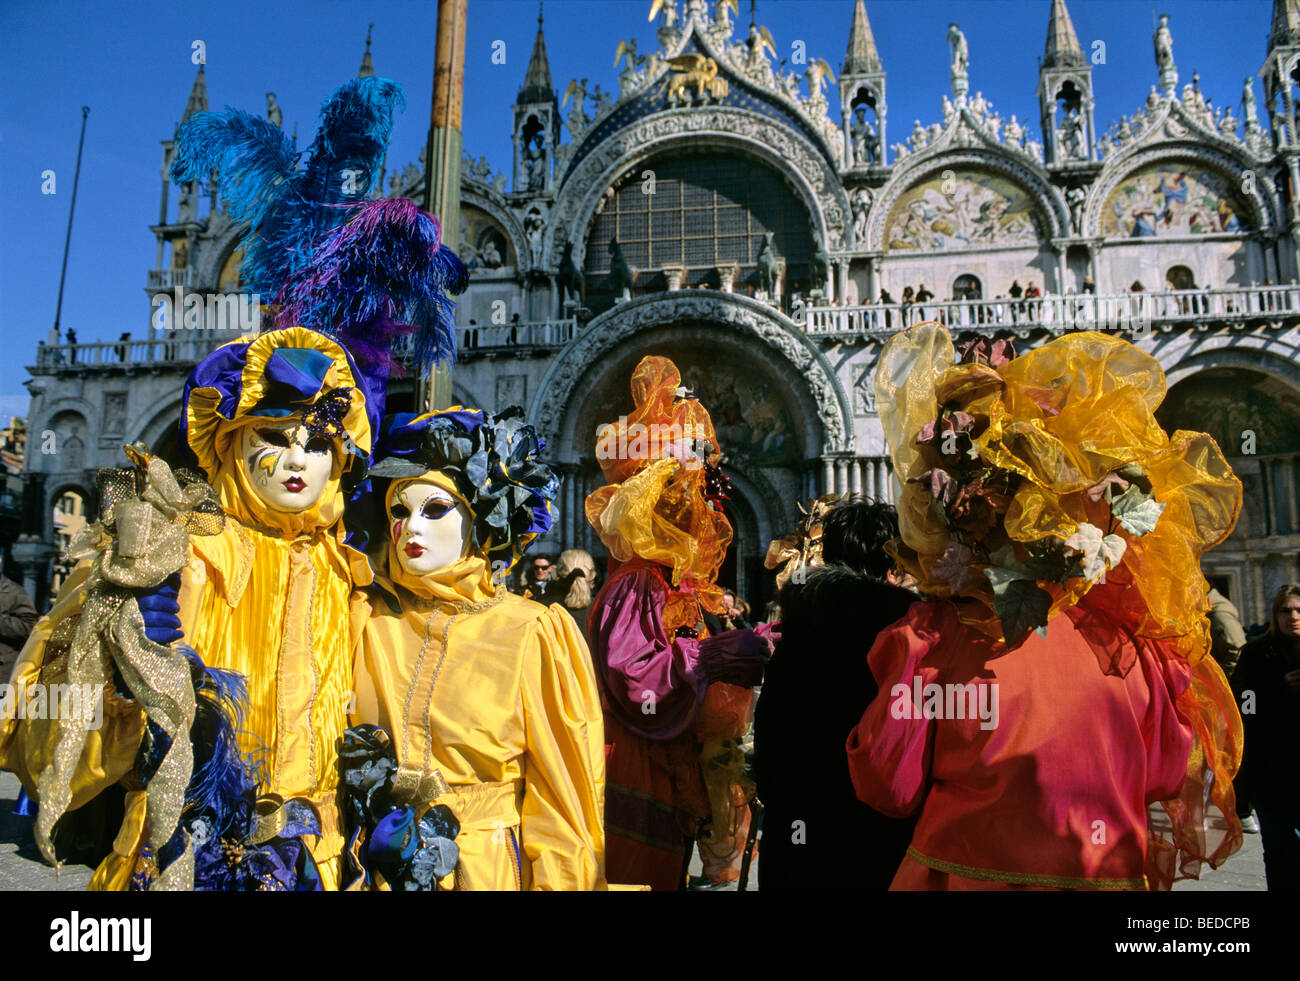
(1075, 198)
(1072, 135)
(1228, 124)
(817, 74)
(627, 49)
(767, 266)
(790, 86)
(960, 63)
(1248, 103)
(491, 254)
(1153, 100)
(273, 111)
(979, 105)
(1014, 132)
(578, 91)
(948, 110)
(861, 204)
(760, 45)
(960, 53)
(722, 14)
(1164, 45)
(535, 227)
(668, 8)
(918, 138)
(535, 162)
(866, 142)
(603, 100)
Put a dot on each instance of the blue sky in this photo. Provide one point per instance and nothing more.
(131, 63)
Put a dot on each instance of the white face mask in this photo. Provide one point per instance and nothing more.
(429, 527)
(287, 467)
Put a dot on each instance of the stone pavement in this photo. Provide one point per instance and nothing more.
(22, 868)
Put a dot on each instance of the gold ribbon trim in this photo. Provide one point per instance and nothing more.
(147, 515)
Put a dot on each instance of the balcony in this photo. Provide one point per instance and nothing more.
(497, 338)
(1078, 311)
(165, 279)
(186, 348)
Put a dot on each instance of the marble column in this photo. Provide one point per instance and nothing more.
(828, 476)
(856, 474)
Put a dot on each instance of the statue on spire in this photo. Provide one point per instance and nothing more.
(960, 63)
(1164, 46)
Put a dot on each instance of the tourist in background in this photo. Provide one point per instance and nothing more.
(1267, 684)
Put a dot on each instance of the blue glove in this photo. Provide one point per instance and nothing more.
(161, 609)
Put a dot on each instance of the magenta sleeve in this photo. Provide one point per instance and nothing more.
(655, 684)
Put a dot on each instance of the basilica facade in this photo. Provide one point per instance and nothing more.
(759, 227)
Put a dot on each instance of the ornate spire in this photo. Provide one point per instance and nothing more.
(537, 80)
(1062, 50)
(1286, 24)
(198, 96)
(861, 57)
(367, 65)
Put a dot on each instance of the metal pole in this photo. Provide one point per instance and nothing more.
(67, 241)
(442, 154)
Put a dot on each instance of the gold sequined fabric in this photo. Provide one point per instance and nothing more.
(148, 513)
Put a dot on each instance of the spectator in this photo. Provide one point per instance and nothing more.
(1089, 287)
(889, 314)
(1228, 637)
(923, 295)
(72, 340)
(120, 347)
(1137, 287)
(573, 585)
(817, 835)
(533, 583)
(17, 617)
(172, 347)
(906, 302)
(1268, 675)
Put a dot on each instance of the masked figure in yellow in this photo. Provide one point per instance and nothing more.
(478, 760)
(274, 424)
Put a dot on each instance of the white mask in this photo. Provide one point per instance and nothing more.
(287, 467)
(429, 527)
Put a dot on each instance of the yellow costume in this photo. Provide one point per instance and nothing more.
(493, 710)
(268, 597)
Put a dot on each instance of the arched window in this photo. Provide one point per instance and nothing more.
(967, 287)
(1180, 278)
(699, 212)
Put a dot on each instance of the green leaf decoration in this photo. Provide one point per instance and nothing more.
(1136, 511)
(1021, 606)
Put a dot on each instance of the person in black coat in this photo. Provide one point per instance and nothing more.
(1267, 685)
(817, 835)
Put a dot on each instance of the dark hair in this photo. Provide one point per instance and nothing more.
(854, 533)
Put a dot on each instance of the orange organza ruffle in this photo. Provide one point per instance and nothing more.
(1061, 418)
(654, 506)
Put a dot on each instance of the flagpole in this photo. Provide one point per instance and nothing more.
(442, 156)
(67, 241)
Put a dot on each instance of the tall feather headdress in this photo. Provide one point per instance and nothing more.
(362, 271)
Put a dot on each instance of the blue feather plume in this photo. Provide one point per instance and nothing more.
(223, 777)
(384, 274)
(288, 209)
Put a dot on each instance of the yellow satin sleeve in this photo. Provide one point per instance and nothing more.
(508, 711)
(564, 783)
